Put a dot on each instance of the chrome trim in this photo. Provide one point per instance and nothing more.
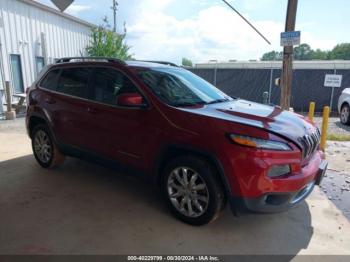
(303, 193)
(310, 143)
(147, 105)
(128, 154)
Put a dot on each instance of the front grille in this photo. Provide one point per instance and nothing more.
(310, 143)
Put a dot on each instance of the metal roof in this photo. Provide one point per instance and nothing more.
(56, 12)
(312, 64)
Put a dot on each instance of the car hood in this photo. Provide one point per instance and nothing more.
(271, 118)
(346, 91)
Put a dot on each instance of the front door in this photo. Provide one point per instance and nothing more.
(121, 133)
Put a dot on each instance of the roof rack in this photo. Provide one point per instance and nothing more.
(159, 62)
(89, 58)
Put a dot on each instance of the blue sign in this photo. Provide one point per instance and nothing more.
(290, 38)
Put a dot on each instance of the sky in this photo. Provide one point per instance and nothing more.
(203, 30)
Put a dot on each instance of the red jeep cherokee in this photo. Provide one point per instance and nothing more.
(199, 145)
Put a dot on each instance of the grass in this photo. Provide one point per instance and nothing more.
(338, 137)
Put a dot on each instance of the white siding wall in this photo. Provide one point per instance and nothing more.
(21, 26)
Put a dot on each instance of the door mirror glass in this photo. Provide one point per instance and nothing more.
(130, 99)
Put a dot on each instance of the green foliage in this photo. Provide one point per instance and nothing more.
(272, 56)
(341, 51)
(338, 137)
(305, 52)
(187, 62)
(106, 43)
(318, 54)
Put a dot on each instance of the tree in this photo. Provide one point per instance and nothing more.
(187, 62)
(318, 54)
(106, 43)
(341, 51)
(303, 52)
(272, 56)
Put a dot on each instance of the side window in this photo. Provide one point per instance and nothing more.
(74, 82)
(50, 80)
(108, 84)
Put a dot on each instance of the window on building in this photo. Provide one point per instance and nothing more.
(17, 76)
(74, 82)
(40, 64)
(50, 80)
(109, 83)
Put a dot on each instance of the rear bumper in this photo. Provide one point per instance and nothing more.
(277, 201)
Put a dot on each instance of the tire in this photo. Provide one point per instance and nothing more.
(203, 195)
(44, 148)
(345, 114)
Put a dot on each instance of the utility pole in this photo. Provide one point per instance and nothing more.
(114, 8)
(287, 71)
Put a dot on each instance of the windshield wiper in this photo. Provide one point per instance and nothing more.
(188, 104)
(218, 101)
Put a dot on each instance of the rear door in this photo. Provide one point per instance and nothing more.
(69, 106)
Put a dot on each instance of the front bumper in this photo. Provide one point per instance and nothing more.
(277, 201)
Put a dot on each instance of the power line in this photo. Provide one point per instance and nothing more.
(246, 20)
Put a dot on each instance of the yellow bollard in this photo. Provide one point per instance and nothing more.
(311, 111)
(324, 127)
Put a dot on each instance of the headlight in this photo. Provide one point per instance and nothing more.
(259, 143)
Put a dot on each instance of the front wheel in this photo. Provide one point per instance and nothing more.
(44, 148)
(192, 190)
(345, 114)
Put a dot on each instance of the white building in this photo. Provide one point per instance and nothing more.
(32, 35)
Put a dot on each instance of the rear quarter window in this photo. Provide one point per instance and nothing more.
(74, 82)
(50, 80)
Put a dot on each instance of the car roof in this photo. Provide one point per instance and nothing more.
(150, 64)
(76, 61)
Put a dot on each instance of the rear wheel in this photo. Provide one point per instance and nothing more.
(192, 190)
(44, 148)
(345, 114)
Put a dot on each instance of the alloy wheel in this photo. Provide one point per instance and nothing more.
(42, 146)
(344, 114)
(188, 192)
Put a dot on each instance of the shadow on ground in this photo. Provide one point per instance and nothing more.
(83, 208)
(341, 126)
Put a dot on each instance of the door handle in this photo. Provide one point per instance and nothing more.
(50, 100)
(92, 110)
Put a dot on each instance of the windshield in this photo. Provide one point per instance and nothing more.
(178, 87)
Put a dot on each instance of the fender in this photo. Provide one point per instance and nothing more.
(44, 119)
(172, 150)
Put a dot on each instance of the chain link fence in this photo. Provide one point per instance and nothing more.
(250, 84)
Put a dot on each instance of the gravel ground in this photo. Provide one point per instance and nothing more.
(336, 184)
(334, 127)
(16, 127)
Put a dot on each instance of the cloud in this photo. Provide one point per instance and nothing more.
(76, 9)
(215, 33)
